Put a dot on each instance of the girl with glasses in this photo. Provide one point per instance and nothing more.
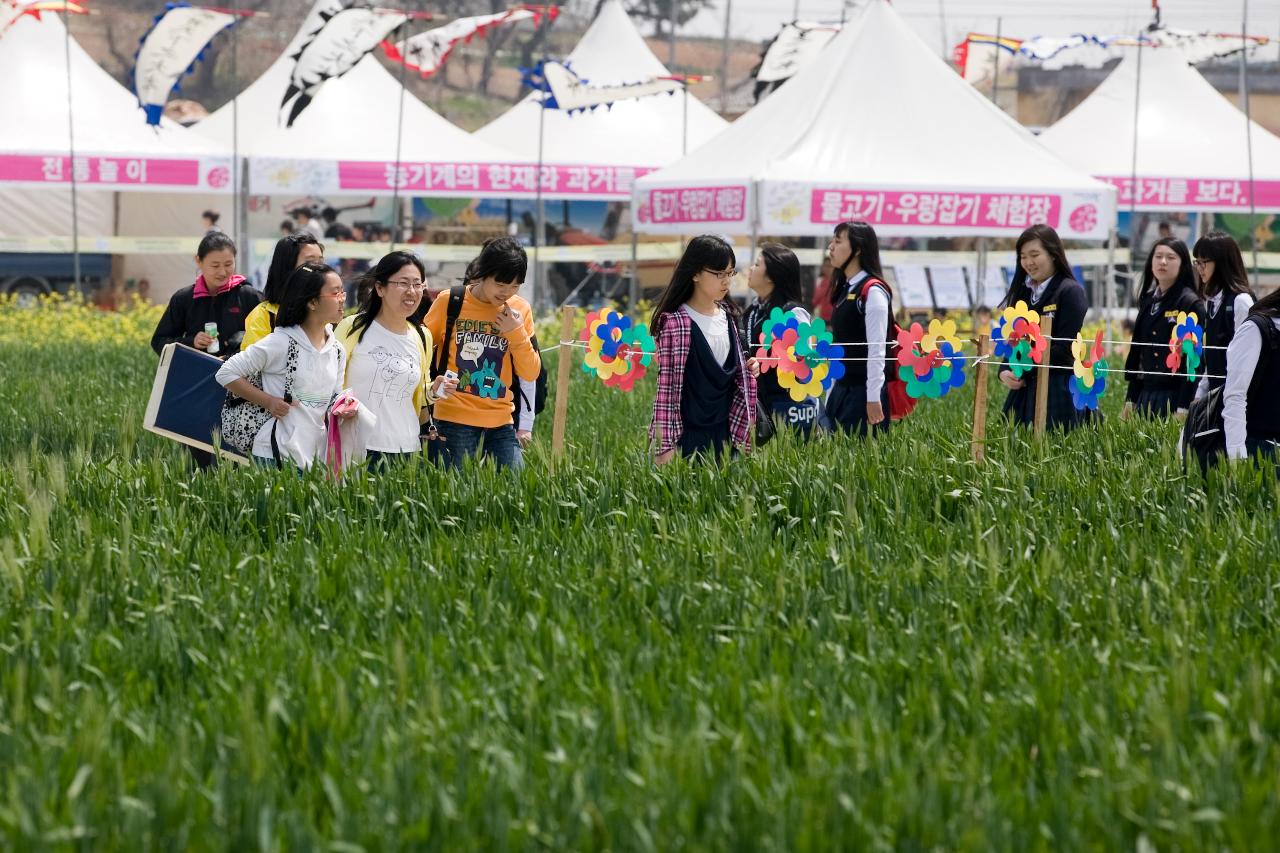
(301, 367)
(389, 359)
(706, 399)
(1168, 288)
(1224, 287)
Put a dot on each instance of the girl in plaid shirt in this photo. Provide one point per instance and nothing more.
(706, 395)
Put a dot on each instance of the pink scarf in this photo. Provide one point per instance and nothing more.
(346, 402)
(202, 289)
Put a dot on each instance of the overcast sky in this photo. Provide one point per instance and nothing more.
(759, 19)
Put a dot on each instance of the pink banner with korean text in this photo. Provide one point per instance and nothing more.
(109, 172)
(802, 208)
(677, 210)
(1201, 194)
(466, 180)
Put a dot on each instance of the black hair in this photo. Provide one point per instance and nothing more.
(783, 269)
(1229, 275)
(370, 301)
(212, 215)
(286, 225)
(419, 315)
(865, 247)
(303, 285)
(283, 261)
(501, 258)
(214, 241)
(302, 211)
(329, 213)
(707, 252)
(1186, 277)
(338, 231)
(1269, 305)
(1019, 290)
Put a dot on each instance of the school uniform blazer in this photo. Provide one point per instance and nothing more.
(667, 427)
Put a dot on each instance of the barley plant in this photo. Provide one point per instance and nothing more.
(826, 645)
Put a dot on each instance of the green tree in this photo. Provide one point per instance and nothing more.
(659, 12)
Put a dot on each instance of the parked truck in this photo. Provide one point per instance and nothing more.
(29, 275)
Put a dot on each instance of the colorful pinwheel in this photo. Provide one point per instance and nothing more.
(1186, 345)
(1090, 380)
(619, 350)
(1017, 338)
(930, 362)
(804, 354)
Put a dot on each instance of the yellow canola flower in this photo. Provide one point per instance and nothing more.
(55, 321)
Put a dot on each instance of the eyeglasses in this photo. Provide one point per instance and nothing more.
(723, 275)
(413, 284)
(1199, 264)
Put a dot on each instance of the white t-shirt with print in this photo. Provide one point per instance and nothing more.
(385, 369)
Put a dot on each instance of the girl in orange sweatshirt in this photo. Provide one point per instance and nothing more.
(485, 336)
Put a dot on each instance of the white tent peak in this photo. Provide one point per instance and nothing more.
(107, 117)
(1187, 133)
(614, 50)
(646, 132)
(353, 117)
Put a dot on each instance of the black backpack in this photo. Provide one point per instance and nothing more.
(456, 294)
(1204, 432)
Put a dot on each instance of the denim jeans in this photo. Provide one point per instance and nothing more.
(458, 441)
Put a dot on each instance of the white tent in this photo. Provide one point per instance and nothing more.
(877, 128)
(643, 133)
(346, 139)
(115, 148)
(351, 137)
(126, 171)
(1192, 151)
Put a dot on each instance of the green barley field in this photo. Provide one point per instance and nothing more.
(832, 645)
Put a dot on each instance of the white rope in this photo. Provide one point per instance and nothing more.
(1126, 343)
(975, 359)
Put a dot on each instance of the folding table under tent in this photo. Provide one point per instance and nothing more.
(119, 159)
(1191, 150)
(877, 128)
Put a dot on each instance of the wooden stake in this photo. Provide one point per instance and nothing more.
(1042, 379)
(978, 445)
(567, 315)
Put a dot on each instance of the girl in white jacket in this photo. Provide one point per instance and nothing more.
(302, 366)
(1250, 404)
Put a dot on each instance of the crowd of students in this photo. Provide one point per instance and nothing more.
(292, 353)
(464, 365)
